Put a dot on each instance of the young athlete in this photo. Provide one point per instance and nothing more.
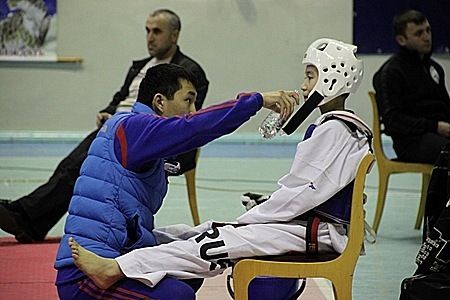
(318, 185)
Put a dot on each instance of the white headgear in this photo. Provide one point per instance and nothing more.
(339, 70)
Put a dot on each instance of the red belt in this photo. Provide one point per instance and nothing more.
(312, 233)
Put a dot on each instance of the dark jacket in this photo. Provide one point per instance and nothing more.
(178, 59)
(411, 94)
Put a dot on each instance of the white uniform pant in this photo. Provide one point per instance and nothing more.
(193, 255)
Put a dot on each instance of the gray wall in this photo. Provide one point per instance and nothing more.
(243, 45)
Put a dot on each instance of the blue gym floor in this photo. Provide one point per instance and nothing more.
(229, 167)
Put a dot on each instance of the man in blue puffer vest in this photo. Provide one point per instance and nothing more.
(122, 182)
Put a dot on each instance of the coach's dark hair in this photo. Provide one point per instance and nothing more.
(164, 79)
(172, 18)
(400, 21)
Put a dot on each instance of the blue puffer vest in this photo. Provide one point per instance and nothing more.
(112, 209)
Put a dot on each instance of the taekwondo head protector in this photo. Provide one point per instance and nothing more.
(340, 72)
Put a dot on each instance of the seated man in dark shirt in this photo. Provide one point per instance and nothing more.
(411, 95)
(30, 217)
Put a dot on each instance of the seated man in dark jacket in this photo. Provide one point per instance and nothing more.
(411, 95)
(30, 217)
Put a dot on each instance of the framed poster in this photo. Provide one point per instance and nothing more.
(28, 30)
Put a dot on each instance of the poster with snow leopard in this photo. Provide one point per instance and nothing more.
(28, 30)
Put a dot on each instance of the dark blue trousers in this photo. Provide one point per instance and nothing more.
(127, 289)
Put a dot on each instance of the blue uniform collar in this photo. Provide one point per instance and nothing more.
(139, 107)
(170, 165)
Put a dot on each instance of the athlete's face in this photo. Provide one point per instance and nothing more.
(417, 38)
(182, 102)
(161, 39)
(311, 77)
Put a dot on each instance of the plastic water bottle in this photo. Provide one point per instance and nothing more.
(271, 125)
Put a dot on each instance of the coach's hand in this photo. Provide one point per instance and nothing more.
(282, 102)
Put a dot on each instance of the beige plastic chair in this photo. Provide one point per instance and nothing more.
(387, 166)
(338, 268)
(191, 191)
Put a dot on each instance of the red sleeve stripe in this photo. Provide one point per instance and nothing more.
(217, 106)
(120, 134)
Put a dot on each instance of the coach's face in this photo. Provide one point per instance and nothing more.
(183, 101)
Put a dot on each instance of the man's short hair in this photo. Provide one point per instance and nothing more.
(172, 18)
(400, 21)
(164, 79)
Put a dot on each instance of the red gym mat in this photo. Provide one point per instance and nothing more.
(26, 270)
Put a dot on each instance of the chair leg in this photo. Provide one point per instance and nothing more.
(192, 195)
(241, 284)
(423, 199)
(383, 180)
(342, 288)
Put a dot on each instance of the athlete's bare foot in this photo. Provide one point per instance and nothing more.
(103, 271)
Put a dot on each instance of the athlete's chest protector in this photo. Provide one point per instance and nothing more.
(337, 208)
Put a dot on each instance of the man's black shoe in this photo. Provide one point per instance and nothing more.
(5, 201)
(9, 224)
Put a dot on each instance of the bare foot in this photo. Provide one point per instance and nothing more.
(103, 271)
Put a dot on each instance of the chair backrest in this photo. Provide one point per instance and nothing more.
(356, 230)
(377, 144)
(191, 190)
